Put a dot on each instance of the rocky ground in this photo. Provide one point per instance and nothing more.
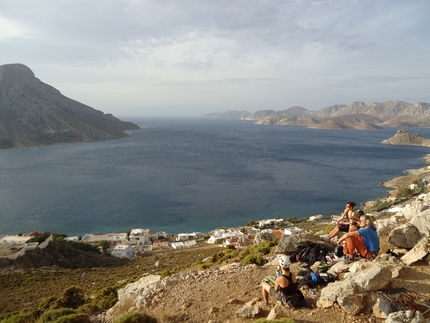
(216, 295)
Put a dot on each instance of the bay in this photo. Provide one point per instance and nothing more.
(195, 174)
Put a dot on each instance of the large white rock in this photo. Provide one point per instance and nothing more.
(353, 304)
(371, 279)
(405, 236)
(418, 252)
(422, 223)
(412, 210)
(406, 317)
(384, 226)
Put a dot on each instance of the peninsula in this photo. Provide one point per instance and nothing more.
(405, 138)
(33, 113)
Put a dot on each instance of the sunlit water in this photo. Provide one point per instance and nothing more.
(195, 174)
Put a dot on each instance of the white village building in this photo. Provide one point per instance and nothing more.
(186, 236)
(139, 237)
(122, 251)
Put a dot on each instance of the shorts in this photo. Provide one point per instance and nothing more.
(344, 227)
(272, 291)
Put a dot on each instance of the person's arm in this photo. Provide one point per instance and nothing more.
(346, 235)
(353, 217)
(277, 283)
(342, 217)
(293, 278)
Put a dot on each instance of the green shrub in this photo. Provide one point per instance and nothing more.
(47, 303)
(253, 259)
(74, 318)
(86, 247)
(106, 298)
(72, 297)
(328, 229)
(136, 317)
(20, 318)
(53, 315)
(39, 239)
(91, 309)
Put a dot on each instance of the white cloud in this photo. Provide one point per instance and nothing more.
(201, 56)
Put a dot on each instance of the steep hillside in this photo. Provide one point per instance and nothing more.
(354, 121)
(33, 113)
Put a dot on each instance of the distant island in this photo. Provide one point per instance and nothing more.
(33, 113)
(405, 138)
(356, 115)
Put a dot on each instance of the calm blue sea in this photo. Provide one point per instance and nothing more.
(195, 174)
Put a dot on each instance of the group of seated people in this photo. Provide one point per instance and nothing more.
(360, 238)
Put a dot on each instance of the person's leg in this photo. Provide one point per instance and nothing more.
(333, 232)
(265, 290)
(355, 243)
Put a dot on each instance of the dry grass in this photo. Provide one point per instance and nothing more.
(28, 289)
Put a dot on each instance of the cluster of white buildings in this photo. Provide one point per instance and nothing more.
(125, 245)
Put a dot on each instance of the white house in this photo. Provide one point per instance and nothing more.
(186, 236)
(270, 222)
(122, 251)
(216, 239)
(139, 237)
(191, 243)
(117, 237)
(178, 245)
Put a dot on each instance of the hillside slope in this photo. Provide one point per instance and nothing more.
(33, 113)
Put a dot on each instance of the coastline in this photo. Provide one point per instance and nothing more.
(412, 174)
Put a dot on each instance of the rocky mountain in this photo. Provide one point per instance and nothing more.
(356, 115)
(34, 113)
(405, 138)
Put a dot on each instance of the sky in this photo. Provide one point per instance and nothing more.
(188, 58)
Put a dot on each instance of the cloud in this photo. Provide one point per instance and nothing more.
(234, 54)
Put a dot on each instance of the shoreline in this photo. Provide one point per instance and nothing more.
(411, 175)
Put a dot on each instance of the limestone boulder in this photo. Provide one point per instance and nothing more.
(422, 223)
(289, 243)
(420, 251)
(249, 311)
(371, 279)
(409, 211)
(405, 236)
(406, 317)
(353, 304)
(384, 226)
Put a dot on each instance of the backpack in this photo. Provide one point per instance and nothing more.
(296, 300)
(309, 253)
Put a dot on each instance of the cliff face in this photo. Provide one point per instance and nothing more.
(33, 113)
(405, 138)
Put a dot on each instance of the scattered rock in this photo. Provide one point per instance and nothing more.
(406, 317)
(249, 311)
(417, 253)
(404, 236)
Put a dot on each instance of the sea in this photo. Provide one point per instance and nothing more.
(196, 175)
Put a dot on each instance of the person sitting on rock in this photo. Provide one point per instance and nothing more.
(365, 241)
(342, 225)
(286, 289)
